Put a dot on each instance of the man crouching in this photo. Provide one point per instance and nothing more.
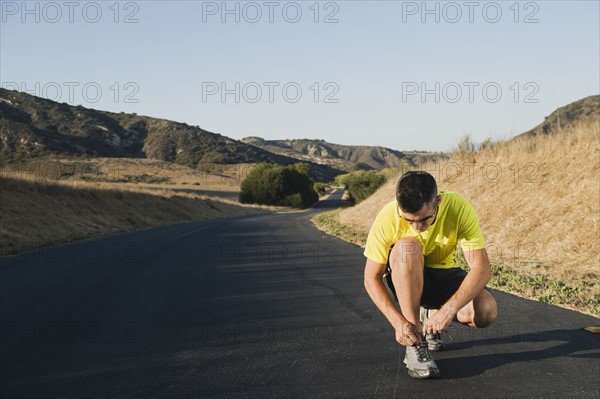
(411, 250)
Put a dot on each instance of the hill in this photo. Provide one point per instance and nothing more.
(345, 157)
(32, 126)
(584, 110)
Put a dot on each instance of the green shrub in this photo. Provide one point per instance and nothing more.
(361, 184)
(294, 201)
(322, 188)
(270, 184)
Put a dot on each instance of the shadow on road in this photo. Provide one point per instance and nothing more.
(568, 343)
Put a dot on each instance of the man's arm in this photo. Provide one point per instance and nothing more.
(406, 333)
(472, 285)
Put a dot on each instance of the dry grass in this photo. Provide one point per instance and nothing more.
(538, 200)
(39, 209)
(222, 180)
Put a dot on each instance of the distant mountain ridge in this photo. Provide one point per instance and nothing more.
(586, 109)
(346, 157)
(32, 126)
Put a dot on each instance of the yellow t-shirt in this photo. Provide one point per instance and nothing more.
(456, 220)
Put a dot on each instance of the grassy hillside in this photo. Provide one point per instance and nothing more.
(140, 172)
(584, 110)
(538, 201)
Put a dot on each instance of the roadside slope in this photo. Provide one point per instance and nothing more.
(35, 214)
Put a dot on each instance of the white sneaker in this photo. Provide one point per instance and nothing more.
(419, 363)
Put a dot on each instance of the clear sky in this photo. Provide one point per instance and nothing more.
(406, 75)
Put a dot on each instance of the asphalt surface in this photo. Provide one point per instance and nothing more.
(259, 307)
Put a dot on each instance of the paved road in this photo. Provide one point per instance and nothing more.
(261, 306)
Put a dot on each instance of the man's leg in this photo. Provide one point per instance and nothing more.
(407, 263)
(480, 312)
(443, 283)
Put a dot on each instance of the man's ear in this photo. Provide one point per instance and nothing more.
(438, 200)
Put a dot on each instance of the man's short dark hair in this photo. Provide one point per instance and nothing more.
(415, 189)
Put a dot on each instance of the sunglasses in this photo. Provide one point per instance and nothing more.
(420, 221)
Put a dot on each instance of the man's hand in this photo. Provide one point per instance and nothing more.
(439, 321)
(407, 334)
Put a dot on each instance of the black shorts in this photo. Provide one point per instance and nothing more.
(438, 285)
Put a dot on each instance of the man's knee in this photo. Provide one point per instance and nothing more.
(486, 309)
(407, 252)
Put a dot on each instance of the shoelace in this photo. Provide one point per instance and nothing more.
(423, 351)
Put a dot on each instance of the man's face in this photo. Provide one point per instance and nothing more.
(424, 218)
